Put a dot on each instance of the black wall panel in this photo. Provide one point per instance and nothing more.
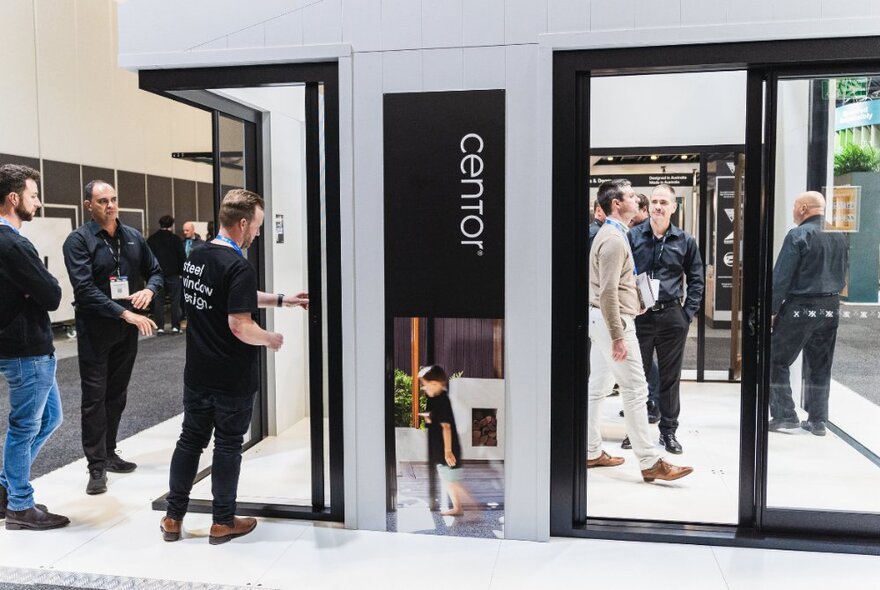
(205, 194)
(159, 197)
(185, 205)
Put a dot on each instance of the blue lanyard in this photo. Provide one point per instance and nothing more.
(623, 230)
(9, 225)
(231, 243)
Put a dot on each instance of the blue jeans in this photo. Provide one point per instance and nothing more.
(34, 414)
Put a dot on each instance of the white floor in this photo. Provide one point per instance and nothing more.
(116, 535)
(277, 470)
(804, 471)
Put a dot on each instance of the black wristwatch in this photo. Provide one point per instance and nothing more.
(281, 300)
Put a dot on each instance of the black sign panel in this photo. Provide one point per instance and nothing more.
(444, 204)
(725, 187)
(646, 180)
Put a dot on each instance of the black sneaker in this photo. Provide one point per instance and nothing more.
(816, 428)
(34, 519)
(626, 444)
(97, 482)
(778, 424)
(116, 464)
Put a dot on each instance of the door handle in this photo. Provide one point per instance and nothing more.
(752, 323)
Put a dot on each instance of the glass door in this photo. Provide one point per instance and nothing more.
(822, 308)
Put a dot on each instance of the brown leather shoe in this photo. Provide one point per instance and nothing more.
(170, 528)
(221, 533)
(605, 460)
(665, 471)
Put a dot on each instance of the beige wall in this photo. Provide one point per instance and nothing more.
(66, 100)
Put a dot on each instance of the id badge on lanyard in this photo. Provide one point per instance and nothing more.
(119, 288)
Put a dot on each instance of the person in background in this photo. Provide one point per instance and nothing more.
(643, 214)
(114, 277)
(596, 224)
(808, 276)
(669, 256)
(27, 356)
(614, 351)
(190, 238)
(169, 251)
(444, 448)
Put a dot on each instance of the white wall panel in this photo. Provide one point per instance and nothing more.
(285, 30)
(703, 12)
(57, 79)
(19, 118)
(254, 36)
(441, 23)
(482, 22)
(156, 133)
(362, 24)
(401, 24)
(746, 11)
(522, 432)
(442, 69)
(484, 67)
(129, 145)
(668, 109)
(402, 71)
(568, 15)
(94, 87)
(657, 13)
(608, 15)
(524, 20)
(795, 10)
(322, 22)
(369, 254)
(847, 8)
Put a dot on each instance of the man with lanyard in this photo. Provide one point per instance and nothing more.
(114, 274)
(614, 350)
(672, 261)
(27, 356)
(808, 276)
(191, 239)
(220, 381)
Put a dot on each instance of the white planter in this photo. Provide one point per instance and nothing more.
(467, 394)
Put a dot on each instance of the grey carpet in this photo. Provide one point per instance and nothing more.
(155, 394)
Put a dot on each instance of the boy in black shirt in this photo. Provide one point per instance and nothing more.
(444, 449)
(222, 351)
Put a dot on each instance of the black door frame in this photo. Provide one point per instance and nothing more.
(756, 526)
(190, 87)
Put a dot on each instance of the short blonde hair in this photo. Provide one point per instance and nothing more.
(239, 204)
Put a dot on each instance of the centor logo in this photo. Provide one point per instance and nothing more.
(728, 259)
(472, 192)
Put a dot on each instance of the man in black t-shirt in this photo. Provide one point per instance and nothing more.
(222, 351)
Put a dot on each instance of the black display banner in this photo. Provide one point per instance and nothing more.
(646, 180)
(444, 204)
(724, 202)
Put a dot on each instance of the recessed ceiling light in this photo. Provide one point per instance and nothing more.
(610, 158)
(684, 156)
(654, 157)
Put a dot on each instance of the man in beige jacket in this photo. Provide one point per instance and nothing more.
(614, 351)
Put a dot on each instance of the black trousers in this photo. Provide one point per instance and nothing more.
(107, 350)
(808, 325)
(172, 288)
(229, 418)
(665, 333)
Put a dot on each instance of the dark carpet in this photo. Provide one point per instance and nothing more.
(155, 394)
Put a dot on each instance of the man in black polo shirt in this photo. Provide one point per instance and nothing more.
(168, 249)
(221, 375)
(671, 259)
(114, 274)
(808, 276)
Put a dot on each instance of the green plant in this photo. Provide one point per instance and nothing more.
(403, 397)
(856, 158)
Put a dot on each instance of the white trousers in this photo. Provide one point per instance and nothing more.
(630, 378)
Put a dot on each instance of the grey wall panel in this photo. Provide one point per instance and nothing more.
(21, 160)
(185, 205)
(159, 200)
(61, 184)
(205, 194)
(132, 189)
